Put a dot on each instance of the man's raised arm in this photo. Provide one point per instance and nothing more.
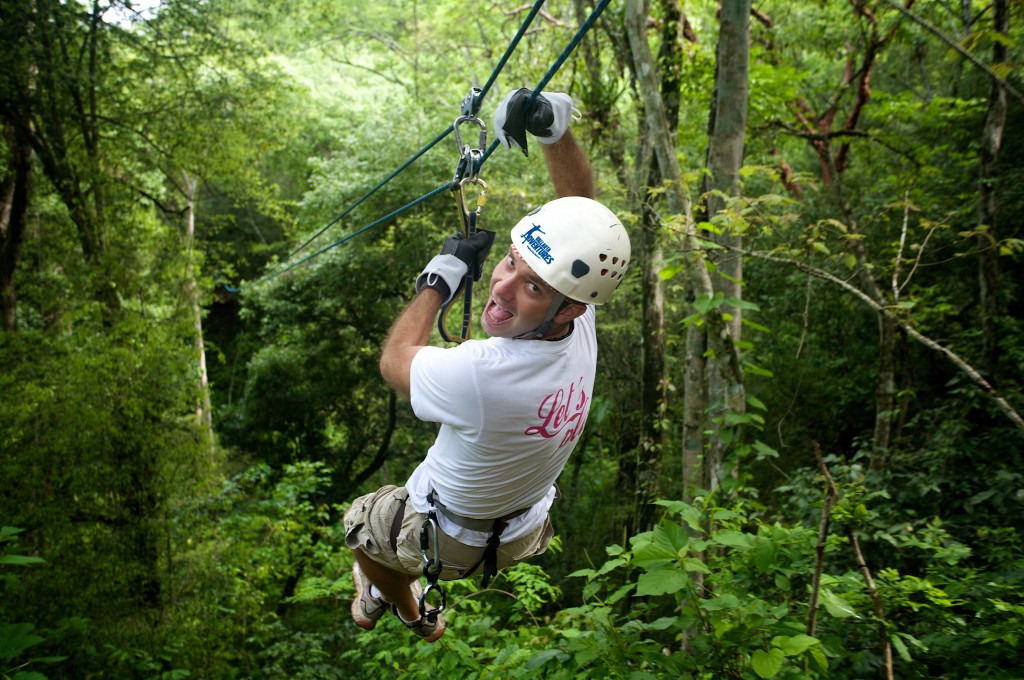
(569, 168)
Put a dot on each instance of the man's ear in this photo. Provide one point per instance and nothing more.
(569, 311)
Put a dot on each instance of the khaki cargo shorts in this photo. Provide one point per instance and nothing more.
(387, 530)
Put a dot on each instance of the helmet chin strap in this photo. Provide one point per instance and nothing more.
(549, 320)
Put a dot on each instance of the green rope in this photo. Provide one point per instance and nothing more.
(475, 105)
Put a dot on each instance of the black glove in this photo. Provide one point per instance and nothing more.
(458, 255)
(547, 119)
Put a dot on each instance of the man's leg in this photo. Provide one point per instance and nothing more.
(393, 585)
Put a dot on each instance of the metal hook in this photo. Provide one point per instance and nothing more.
(469, 157)
(431, 567)
(431, 614)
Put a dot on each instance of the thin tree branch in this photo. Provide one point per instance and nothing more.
(957, 361)
(876, 599)
(903, 242)
(959, 48)
(819, 549)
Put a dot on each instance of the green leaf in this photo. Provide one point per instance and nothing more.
(836, 606)
(757, 370)
(693, 564)
(7, 533)
(670, 272)
(764, 553)
(15, 638)
(764, 451)
(705, 303)
(666, 541)
(736, 539)
(901, 648)
(539, 660)
(767, 664)
(664, 623)
(795, 645)
(689, 514)
(662, 582)
(727, 601)
(619, 594)
(611, 565)
(741, 304)
(819, 657)
(21, 559)
(782, 583)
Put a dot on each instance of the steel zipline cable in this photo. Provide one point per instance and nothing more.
(477, 98)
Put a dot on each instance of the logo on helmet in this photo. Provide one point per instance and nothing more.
(537, 245)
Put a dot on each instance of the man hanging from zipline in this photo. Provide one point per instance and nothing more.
(511, 407)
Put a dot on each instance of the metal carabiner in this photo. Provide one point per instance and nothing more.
(468, 220)
(431, 567)
(431, 614)
(468, 164)
(460, 199)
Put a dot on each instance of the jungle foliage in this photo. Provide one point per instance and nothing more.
(183, 183)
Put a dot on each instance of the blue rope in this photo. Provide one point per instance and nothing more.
(508, 52)
(476, 106)
(369, 193)
(577, 38)
(573, 44)
(369, 226)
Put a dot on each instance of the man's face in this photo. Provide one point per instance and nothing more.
(519, 299)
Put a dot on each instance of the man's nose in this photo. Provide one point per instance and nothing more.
(502, 286)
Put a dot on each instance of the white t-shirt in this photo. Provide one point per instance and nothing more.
(511, 412)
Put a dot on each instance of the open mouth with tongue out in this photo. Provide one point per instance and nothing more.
(494, 315)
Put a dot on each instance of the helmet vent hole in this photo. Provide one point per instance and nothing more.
(603, 256)
(615, 260)
(580, 269)
(604, 272)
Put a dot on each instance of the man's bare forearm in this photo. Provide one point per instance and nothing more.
(410, 332)
(569, 168)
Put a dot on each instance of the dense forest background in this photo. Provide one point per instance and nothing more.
(804, 458)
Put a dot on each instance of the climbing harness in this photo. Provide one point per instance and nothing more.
(466, 175)
(489, 559)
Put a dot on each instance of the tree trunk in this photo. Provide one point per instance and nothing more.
(726, 134)
(15, 189)
(718, 335)
(695, 476)
(988, 257)
(204, 408)
(652, 395)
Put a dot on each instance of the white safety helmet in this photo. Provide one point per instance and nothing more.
(577, 246)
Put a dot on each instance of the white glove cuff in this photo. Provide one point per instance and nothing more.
(563, 112)
(448, 268)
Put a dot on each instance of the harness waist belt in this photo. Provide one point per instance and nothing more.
(471, 523)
